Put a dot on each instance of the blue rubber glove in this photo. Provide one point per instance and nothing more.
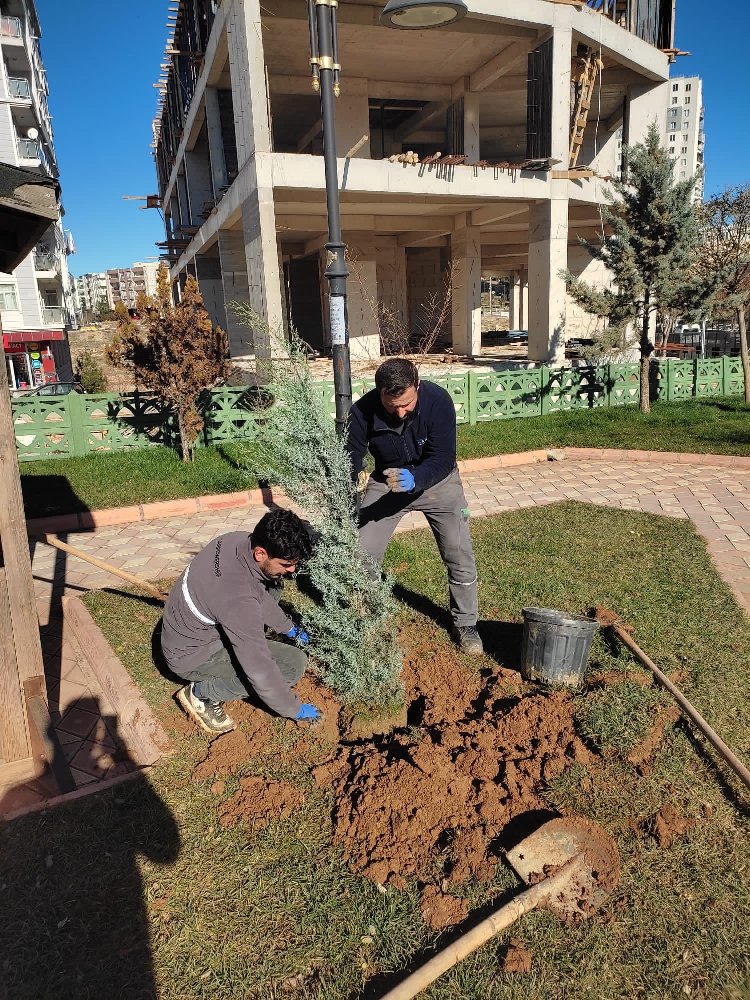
(295, 632)
(399, 480)
(308, 713)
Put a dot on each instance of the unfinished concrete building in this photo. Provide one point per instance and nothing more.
(527, 103)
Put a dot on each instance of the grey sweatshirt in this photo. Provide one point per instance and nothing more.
(226, 586)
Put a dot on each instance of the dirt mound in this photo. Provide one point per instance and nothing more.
(445, 793)
(440, 910)
(259, 800)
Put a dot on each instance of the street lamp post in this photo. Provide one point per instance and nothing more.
(325, 75)
(325, 79)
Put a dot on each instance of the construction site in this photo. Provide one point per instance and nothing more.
(482, 149)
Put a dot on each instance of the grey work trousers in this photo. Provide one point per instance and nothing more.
(219, 680)
(444, 506)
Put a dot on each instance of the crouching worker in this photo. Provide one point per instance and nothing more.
(213, 628)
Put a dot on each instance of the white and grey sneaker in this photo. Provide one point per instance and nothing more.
(209, 715)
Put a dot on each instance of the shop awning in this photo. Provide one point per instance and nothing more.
(31, 336)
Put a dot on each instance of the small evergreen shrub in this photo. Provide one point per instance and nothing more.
(89, 373)
(352, 621)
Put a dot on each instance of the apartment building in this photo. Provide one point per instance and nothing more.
(118, 284)
(91, 295)
(685, 136)
(505, 96)
(36, 300)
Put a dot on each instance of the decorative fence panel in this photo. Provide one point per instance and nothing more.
(65, 426)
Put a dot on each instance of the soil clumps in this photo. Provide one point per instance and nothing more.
(517, 958)
(259, 800)
(669, 824)
(441, 910)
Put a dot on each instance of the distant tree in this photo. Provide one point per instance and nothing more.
(89, 373)
(103, 310)
(653, 233)
(174, 350)
(725, 253)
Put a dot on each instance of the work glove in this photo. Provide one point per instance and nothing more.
(295, 632)
(308, 713)
(399, 480)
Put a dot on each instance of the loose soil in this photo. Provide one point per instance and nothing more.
(669, 824)
(517, 958)
(259, 800)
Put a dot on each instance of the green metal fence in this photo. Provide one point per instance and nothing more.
(64, 426)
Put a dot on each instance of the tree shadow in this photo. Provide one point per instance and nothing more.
(76, 923)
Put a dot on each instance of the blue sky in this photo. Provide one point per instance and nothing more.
(102, 59)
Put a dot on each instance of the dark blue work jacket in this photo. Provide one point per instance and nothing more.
(425, 443)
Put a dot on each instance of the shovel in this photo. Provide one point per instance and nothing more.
(571, 866)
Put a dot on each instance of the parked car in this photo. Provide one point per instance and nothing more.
(52, 389)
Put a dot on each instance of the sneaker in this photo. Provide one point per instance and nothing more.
(209, 715)
(467, 639)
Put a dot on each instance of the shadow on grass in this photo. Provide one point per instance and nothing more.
(502, 639)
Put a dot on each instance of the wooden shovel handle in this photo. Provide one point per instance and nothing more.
(482, 933)
(692, 713)
(108, 567)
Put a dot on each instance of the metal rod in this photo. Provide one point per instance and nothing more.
(336, 270)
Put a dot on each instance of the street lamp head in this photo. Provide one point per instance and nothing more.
(422, 13)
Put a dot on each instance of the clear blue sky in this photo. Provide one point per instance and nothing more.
(102, 59)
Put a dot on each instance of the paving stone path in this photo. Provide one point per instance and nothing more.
(715, 498)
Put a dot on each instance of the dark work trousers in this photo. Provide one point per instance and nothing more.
(218, 680)
(444, 506)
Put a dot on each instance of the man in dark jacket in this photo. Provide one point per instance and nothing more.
(409, 427)
(213, 626)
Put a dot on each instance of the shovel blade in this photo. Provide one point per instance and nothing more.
(558, 841)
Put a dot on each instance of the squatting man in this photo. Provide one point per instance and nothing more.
(409, 428)
(213, 627)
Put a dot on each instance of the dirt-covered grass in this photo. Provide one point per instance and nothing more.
(59, 486)
(140, 892)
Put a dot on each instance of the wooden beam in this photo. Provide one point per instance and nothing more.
(496, 67)
(312, 133)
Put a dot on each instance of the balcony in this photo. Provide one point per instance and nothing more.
(53, 316)
(10, 27)
(28, 149)
(19, 88)
(45, 260)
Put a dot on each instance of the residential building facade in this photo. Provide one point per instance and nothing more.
(525, 149)
(36, 300)
(685, 135)
(118, 284)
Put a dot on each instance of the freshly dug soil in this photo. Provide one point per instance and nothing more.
(259, 800)
(447, 789)
(517, 958)
(669, 824)
(441, 910)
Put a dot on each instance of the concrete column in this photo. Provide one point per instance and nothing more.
(466, 253)
(548, 256)
(471, 127)
(208, 274)
(362, 303)
(215, 142)
(392, 294)
(524, 300)
(562, 41)
(235, 286)
(514, 306)
(646, 105)
(198, 179)
(353, 124)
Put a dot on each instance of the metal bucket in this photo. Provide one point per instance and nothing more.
(556, 646)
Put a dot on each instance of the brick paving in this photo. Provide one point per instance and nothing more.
(715, 497)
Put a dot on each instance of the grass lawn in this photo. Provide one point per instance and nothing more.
(142, 885)
(56, 486)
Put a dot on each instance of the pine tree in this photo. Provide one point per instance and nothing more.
(174, 350)
(352, 621)
(650, 251)
(89, 373)
(725, 254)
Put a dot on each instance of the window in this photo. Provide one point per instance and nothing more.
(683, 163)
(687, 100)
(675, 100)
(688, 86)
(684, 149)
(672, 126)
(676, 86)
(682, 175)
(8, 299)
(686, 125)
(686, 113)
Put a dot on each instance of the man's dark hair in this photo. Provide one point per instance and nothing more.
(395, 376)
(283, 535)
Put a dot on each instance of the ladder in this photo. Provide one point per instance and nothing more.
(585, 71)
